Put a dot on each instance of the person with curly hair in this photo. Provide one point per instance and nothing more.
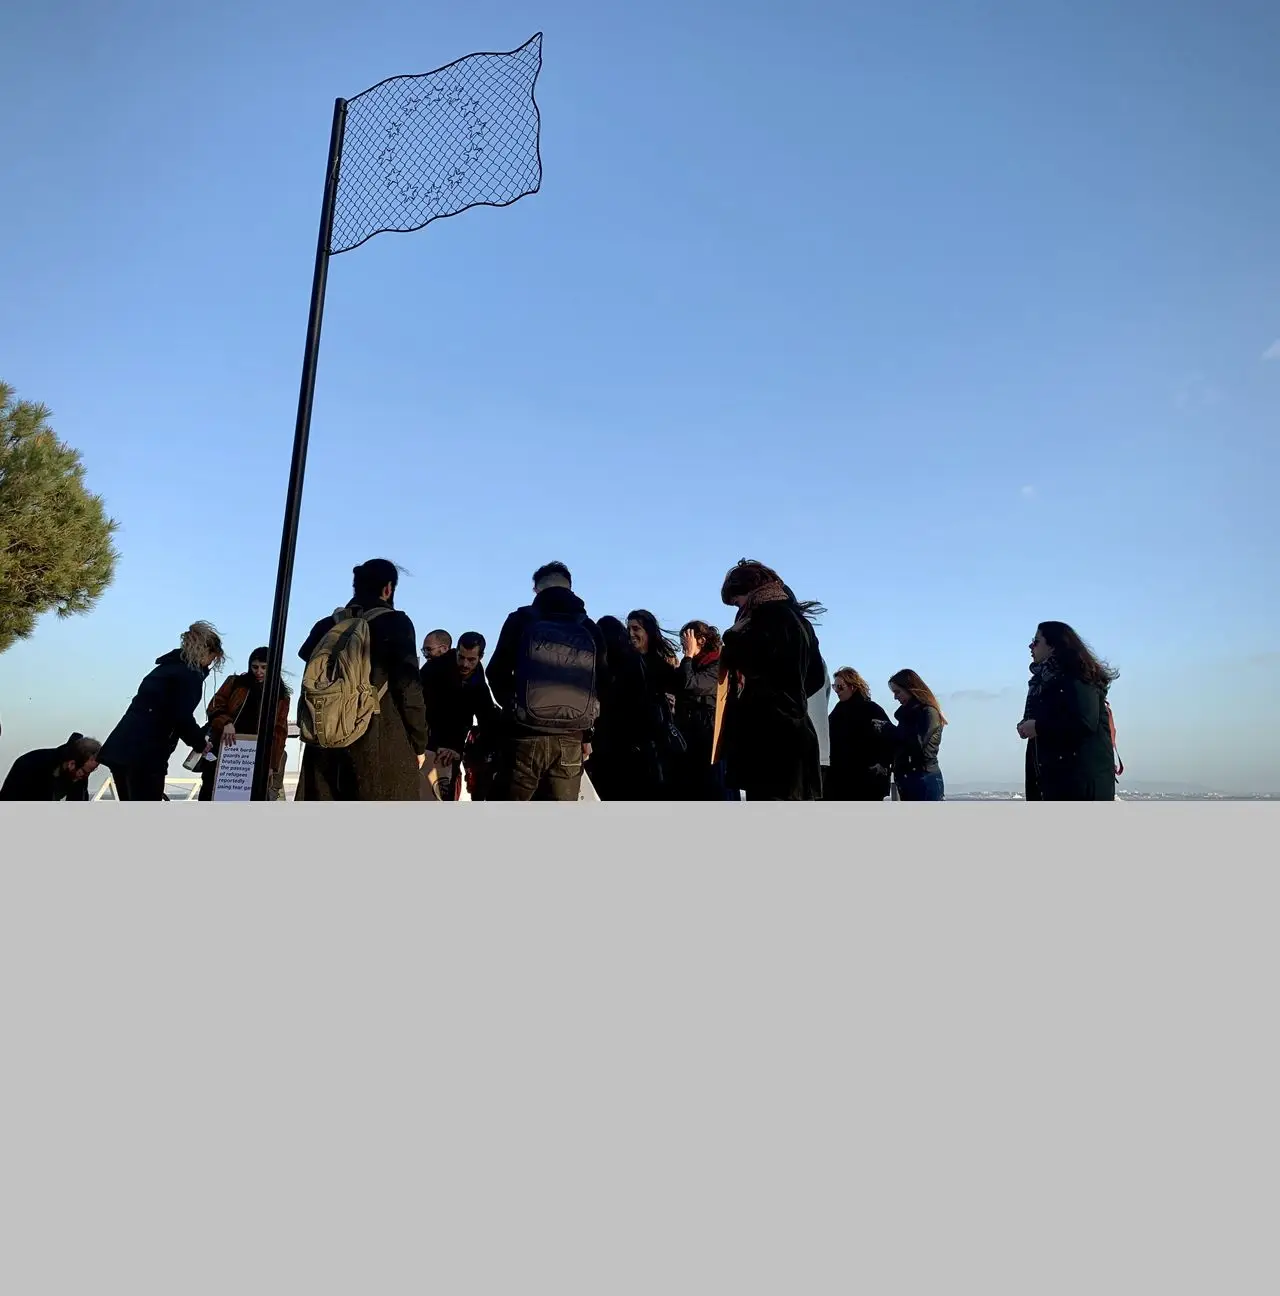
(700, 778)
(138, 750)
(861, 742)
(1066, 722)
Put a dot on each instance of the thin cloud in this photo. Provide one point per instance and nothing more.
(1196, 393)
(1273, 351)
(1028, 492)
(981, 695)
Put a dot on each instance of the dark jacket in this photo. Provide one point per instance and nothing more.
(39, 776)
(228, 706)
(1071, 756)
(917, 738)
(767, 739)
(622, 758)
(454, 705)
(696, 703)
(556, 603)
(382, 764)
(160, 715)
(861, 737)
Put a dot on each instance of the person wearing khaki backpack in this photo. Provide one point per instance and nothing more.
(360, 709)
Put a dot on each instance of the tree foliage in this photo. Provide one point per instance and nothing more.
(56, 550)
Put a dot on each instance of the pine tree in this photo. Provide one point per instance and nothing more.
(56, 550)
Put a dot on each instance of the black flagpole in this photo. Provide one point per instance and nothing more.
(302, 430)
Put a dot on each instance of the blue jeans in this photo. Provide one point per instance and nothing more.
(921, 787)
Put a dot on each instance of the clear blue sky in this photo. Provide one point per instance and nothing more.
(955, 315)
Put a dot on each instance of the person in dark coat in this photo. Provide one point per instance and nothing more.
(774, 666)
(551, 688)
(139, 748)
(383, 764)
(459, 705)
(623, 748)
(53, 773)
(236, 710)
(662, 671)
(1070, 756)
(699, 676)
(917, 737)
(862, 743)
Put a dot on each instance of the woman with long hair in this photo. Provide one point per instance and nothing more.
(917, 737)
(1066, 722)
(665, 683)
(695, 715)
(162, 713)
(236, 711)
(621, 765)
(383, 764)
(861, 742)
(774, 666)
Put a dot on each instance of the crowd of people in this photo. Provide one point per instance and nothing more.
(702, 715)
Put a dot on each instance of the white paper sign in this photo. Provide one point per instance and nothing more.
(233, 780)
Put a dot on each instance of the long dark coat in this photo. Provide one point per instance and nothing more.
(160, 716)
(382, 764)
(768, 742)
(1071, 757)
(621, 767)
(861, 737)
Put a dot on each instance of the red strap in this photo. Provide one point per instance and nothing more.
(1111, 724)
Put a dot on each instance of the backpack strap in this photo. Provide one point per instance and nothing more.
(368, 616)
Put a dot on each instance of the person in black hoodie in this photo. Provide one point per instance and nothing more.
(458, 703)
(548, 675)
(139, 748)
(53, 773)
(917, 738)
(861, 742)
(383, 764)
(774, 666)
(623, 750)
(696, 713)
(1070, 756)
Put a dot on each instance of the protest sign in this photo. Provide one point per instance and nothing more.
(233, 779)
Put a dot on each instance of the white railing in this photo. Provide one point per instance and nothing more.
(184, 789)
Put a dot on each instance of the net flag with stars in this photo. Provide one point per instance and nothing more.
(416, 148)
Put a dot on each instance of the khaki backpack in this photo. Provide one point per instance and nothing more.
(337, 700)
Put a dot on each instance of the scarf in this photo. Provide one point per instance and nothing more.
(1042, 674)
(707, 658)
(774, 592)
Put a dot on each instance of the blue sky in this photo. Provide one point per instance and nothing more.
(956, 316)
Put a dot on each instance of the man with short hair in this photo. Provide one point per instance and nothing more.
(457, 698)
(547, 674)
(53, 773)
(439, 643)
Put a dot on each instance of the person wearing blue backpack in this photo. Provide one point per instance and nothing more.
(547, 673)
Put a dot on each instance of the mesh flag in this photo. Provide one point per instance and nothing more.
(416, 148)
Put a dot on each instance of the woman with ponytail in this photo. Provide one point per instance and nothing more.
(383, 764)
